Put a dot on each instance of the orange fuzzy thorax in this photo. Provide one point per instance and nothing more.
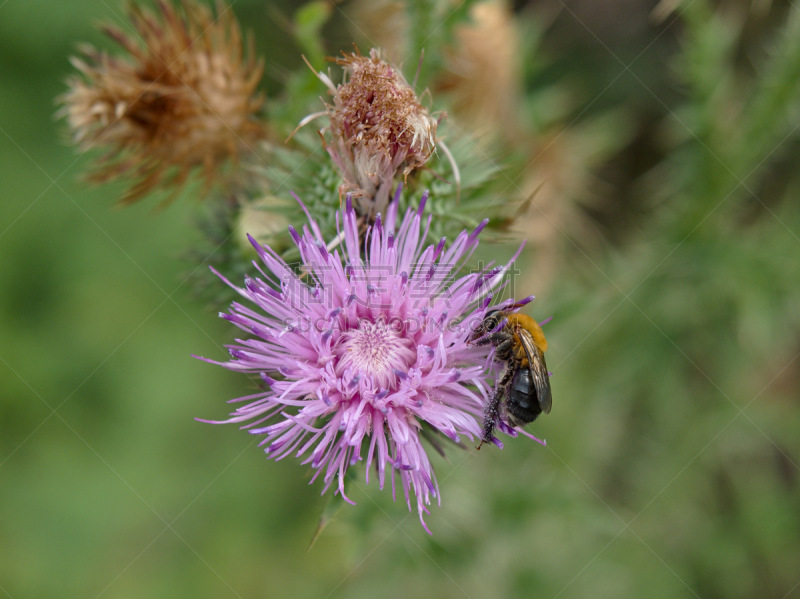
(523, 321)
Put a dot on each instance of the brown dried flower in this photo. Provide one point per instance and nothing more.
(377, 127)
(483, 71)
(184, 96)
(388, 24)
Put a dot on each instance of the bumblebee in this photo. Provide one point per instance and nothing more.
(521, 344)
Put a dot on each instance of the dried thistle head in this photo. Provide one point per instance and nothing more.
(482, 71)
(183, 96)
(565, 189)
(378, 128)
(387, 21)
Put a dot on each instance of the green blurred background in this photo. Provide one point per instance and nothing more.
(673, 446)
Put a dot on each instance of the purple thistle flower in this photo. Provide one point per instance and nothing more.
(357, 352)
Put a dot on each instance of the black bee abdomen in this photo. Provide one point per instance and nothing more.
(521, 401)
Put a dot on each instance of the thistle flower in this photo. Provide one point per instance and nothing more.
(183, 97)
(377, 128)
(358, 354)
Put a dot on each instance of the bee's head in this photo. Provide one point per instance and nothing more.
(491, 321)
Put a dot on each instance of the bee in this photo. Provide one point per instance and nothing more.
(521, 344)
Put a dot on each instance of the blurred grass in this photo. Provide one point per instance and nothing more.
(671, 469)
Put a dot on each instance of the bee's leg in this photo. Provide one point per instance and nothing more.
(503, 351)
(502, 341)
(494, 338)
(492, 410)
(490, 413)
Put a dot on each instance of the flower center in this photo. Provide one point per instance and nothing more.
(374, 352)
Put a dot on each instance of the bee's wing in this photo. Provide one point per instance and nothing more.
(538, 369)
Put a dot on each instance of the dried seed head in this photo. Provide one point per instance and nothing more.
(388, 23)
(183, 96)
(377, 127)
(482, 72)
